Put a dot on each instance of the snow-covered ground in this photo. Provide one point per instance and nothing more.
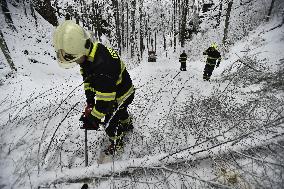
(183, 125)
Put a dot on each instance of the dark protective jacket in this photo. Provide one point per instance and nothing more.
(183, 57)
(106, 80)
(213, 55)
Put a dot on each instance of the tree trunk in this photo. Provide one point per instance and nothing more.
(155, 41)
(117, 25)
(33, 13)
(183, 24)
(25, 9)
(227, 21)
(6, 52)
(45, 9)
(175, 17)
(270, 10)
(141, 28)
(127, 26)
(7, 15)
(220, 13)
(132, 38)
(146, 30)
(122, 25)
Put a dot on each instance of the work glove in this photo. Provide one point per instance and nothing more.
(90, 122)
(88, 109)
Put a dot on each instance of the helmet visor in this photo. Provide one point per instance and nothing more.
(66, 60)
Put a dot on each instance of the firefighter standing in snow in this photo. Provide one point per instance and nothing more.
(107, 83)
(182, 60)
(213, 55)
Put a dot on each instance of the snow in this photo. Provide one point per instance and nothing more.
(39, 96)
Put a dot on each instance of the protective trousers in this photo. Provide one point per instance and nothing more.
(119, 121)
(209, 67)
(183, 66)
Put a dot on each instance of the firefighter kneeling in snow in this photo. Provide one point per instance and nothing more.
(213, 56)
(107, 84)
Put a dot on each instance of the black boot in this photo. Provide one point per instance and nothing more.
(114, 147)
(126, 125)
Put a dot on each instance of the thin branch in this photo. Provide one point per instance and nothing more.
(257, 159)
(195, 178)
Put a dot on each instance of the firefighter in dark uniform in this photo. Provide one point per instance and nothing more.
(213, 55)
(182, 60)
(107, 84)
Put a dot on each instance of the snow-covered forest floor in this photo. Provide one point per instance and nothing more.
(227, 133)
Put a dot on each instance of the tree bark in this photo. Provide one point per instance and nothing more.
(227, 21)
(141, 28)
(183, 24)
(175, 17)
(127, 26)
(122, 26)
(220, 13)
(117, 25)
(270, 10)
(45, 9)
(132, 38)
(6, 52)
(7, 15)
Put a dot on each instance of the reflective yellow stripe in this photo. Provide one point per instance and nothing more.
(210, 64)
(209, 57)
(88, 87)
(93, 52)
(125, 96)
(117, 137)
(122, 68)
(97, 114)
(105, 96)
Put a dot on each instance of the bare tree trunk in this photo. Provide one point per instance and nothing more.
(183, 24)
(179, 21)
(7, 15)
(270, 10)
(175, 17)
(155, 41)
(227, 21)
(117, 25)
(122, 25)
(165, 43)
(6, 52)
(25, 9)
(33, 12)
(141, 28)
(146, 31)
(45, 9)
(220, 13)
(127, 26)
(132, 38)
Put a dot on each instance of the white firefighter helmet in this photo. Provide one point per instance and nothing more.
(69, 41)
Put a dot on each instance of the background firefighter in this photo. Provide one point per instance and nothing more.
(182, 60)
(107, 83)
(213, 55)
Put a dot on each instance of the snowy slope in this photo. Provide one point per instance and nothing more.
(41, 142)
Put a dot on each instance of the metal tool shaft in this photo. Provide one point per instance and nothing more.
(86, 148)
